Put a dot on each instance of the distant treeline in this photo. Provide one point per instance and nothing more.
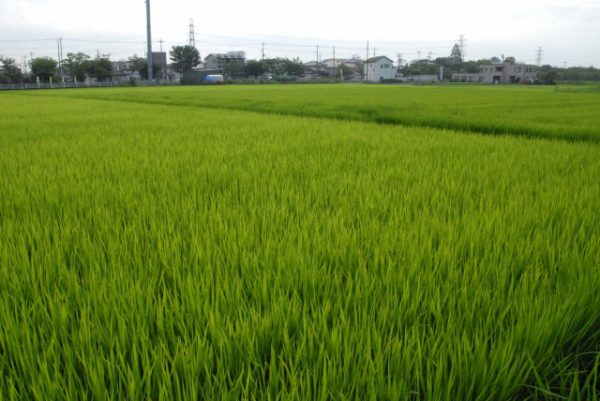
(549, 74)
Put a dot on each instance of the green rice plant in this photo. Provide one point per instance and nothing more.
(162, 251)
(516, 110)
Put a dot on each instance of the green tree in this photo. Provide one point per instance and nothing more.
(547, 75)
(422, 67)
(254, 68)
(234, 68)
(77, 65)
(578, 74)
(10, 73)
(345, 71)
(455, 55)
(184, 58)
(101, 68)
(283, 66)
(43, 67)
(294, 67)
(140, 64)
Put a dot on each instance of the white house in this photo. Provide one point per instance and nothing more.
(378, 68)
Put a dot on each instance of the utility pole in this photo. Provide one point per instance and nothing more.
(192, 36)
(374, 50)
(317, 61)
(62, 69)
(59, 57)
(162, 59)
(263, 51)
(400, 62)
(538, 57)
(149, 39)
(429, 56)
(333, 71)
(60, 61)
(419, 55)
(367, 51)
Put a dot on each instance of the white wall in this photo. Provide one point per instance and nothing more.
(381, 69)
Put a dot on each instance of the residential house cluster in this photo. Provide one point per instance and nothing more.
(375, 69)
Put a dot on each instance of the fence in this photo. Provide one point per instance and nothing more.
(65, 85)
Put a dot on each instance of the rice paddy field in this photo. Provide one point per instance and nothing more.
(301, 242)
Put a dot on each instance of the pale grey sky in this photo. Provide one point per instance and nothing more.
(567, 31)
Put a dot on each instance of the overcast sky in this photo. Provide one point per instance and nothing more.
(567, 31)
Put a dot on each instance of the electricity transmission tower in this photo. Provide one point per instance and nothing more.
(149, 39)
(461, 43)
(192, 40)
(538, 56)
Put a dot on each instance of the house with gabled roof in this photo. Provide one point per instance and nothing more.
(379, 68)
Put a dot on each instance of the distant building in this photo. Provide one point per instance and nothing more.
(159, 63)
(508, 72)
(420, 78)
(314, 70)
(220, 61)
(123, 71)
(466, 77)
(344, 68)
(379, 68)
(337, 62)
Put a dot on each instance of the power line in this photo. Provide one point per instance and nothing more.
(295, 47)
(105, 41)
(27, 40)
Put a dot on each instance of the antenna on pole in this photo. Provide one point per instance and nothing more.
(192, 34)
(149, 39)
